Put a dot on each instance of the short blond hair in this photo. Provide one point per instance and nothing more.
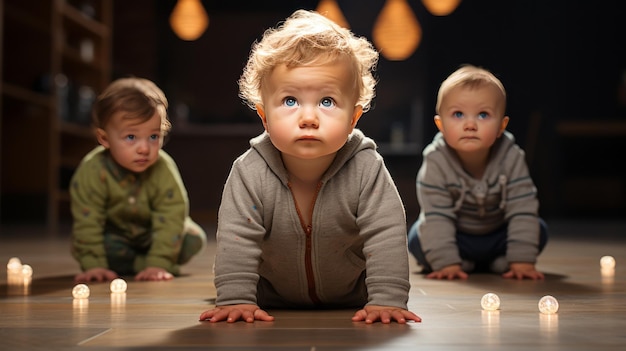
(304, 38)
(137, 98)
(469, 76)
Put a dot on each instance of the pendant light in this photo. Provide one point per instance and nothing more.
(397, 33)
(441, 7)
(331, 10)
(189, 20)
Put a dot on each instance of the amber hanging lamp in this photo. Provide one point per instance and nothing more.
(397, 33)
(441, 7)
(331, 10)
(189, 19)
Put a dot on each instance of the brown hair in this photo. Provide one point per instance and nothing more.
(136, 98)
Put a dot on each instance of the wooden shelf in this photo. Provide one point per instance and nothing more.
(27, 16)
(77, 130)
(234, 129)
(41, 41)
(596, 128)
(63, 196)
(83, 22)
(26, 95)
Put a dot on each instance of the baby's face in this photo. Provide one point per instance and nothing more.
(472, 118)
(134, 146)
(309, 111)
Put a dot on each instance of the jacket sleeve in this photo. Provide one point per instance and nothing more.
(88, 196)
(382, 222)
(521, 212)
(437, 217)
(169, 208)
(240, 231)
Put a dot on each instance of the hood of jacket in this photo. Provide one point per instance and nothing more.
(498, 151)
(355, 143)
(493, 174)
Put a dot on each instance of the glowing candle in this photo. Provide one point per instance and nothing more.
(490, 302)
(14, 265)
(548, 305)
(80, 291)
(607, 262)
(27, 271)
(118, 285)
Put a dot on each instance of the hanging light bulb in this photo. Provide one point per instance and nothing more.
(441, 7)
(332, 11)
(189, 19)
(397, 33)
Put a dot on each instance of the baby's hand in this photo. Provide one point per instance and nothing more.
(384, 314)
(449, 272)
(233, 313)
(521, 270)
(95, 274)
(154, 274)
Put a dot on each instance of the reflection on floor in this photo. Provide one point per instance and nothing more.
(163, 315)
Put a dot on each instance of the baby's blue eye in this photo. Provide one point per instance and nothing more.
(458, 114)
(327, 102)
(154, 137)
(483, 115)
(130, 137)
(290, 101)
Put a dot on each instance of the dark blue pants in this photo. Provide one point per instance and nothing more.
(480, 249)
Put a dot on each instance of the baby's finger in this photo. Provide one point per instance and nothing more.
(261, 315)
(410, 316)
(372, 317)
(234, 316)
(398, 316)
(219, 315)
(207, 314)
(385, 316)
(359, 315)
(248, 316)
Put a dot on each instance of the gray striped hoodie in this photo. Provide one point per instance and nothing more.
(450, 199)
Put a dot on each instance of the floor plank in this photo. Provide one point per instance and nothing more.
(164, 315)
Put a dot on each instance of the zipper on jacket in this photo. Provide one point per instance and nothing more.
(308, 230)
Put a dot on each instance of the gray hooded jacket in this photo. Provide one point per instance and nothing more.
(354, 253)
(450, 199)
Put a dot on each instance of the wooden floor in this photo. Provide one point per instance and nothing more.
(164, 315)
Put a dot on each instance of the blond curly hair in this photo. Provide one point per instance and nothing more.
(305, 38)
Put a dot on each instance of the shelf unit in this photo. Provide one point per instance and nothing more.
(55, 58)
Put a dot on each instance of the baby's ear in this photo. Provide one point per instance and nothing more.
(504, 123)
(102, 137)
(358, 112)
(438, 122)
(261, 112)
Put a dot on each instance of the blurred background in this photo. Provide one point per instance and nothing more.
(563, 64)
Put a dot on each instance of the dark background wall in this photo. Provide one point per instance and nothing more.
(561, 62)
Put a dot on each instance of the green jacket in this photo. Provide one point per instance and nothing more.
(108, 198)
